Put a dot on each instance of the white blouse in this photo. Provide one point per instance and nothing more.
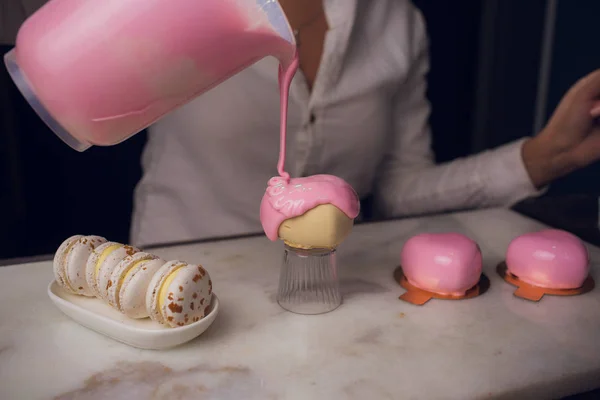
(207, 164)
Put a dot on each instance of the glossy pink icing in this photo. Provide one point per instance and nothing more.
(443, 263)
(285, 199)
(107, 69)
(550, 258)
(286, 74)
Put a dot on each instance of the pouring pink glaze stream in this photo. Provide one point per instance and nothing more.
(287, 198)
(285, 80)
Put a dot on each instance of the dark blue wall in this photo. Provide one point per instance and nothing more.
(576, 52)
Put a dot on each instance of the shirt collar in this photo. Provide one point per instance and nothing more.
(341, 15)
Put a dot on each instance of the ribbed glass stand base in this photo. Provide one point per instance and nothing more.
(308, 282)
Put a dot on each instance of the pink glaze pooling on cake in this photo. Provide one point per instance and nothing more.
(442, 263)
(107, 69)
(551, 258)
(285, 199)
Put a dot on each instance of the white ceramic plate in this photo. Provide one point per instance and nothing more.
(144, 333)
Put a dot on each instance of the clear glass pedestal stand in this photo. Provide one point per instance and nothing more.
(308, 281)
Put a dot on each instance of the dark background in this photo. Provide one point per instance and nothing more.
(485, 57)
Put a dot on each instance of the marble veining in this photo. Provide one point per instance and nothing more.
(153, 380)
(373, 347)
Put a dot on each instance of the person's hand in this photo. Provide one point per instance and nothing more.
(571, 139)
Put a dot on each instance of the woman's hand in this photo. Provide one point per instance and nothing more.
(571, 139)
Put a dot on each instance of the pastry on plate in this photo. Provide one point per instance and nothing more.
(70, 261)
(179, 294)
(130, 280)
(101, 264)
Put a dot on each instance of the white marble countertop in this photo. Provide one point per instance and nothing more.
(373, 347)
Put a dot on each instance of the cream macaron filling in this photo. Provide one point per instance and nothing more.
(179, 294)
(103, 256)
(128, 271)
(76, 263)
(163, 293)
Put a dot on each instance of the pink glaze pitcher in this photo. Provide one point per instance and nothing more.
(99, 71)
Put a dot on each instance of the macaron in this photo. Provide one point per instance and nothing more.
(59, 260)
(70, 263)
(179, 294)
(130, 280)
(102, 262)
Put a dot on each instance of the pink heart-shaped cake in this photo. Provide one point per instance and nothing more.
(550, 258)
(442, 263)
